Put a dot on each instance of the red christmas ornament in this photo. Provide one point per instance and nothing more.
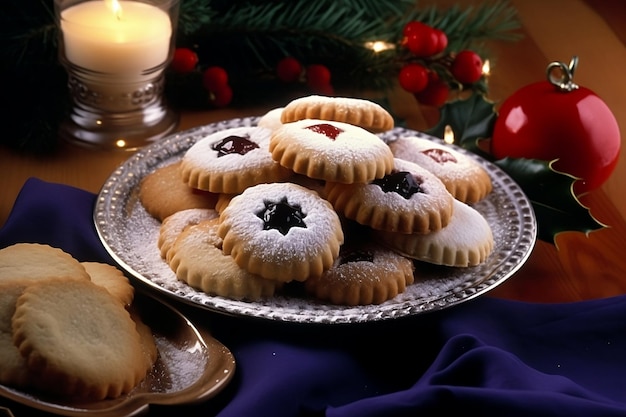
(184, 60)
(289, 70)
(467, 67)
(559, 120)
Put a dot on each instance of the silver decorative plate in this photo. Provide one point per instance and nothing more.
(130, 235)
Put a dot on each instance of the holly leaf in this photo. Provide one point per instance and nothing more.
(470, 119)
(551, 193)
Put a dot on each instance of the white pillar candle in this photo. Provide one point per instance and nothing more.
(126, 42)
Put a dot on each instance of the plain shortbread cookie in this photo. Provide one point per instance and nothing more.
(78, 340)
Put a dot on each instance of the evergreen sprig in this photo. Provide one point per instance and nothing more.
(246, 37)
(249, 38)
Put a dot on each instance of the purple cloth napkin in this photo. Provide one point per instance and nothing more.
(486, 357)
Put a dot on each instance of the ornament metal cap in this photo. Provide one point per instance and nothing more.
(561, 75)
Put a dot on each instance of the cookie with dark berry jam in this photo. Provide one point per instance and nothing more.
(409, 199)
(231, 160)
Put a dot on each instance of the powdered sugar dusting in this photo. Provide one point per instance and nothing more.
(353, 145)
(203, 156)
(301, 243)
(130, 235)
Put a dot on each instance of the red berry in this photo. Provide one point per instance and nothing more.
(442, 41)
(221, 95)
(184, 60)
(422, 40)
(413, 27)
(467, 67)
(436, 92)
(317, 76)
(325, 90)
(288, 69)
(214, 77)
(413, 78)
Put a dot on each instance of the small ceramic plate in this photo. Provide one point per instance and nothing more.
(191, 367)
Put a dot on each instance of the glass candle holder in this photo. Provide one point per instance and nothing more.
(115, 53)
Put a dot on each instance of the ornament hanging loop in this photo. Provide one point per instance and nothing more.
(562, 76)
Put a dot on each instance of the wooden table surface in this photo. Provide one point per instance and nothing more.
(579, 266)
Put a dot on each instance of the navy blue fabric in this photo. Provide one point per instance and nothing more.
(486, 357)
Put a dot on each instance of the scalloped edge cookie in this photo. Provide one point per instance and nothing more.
(464, 178)
(356, 111)
(331, 151)
(425, 211)
(466, 241)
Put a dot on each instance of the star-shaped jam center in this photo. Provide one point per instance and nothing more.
(233, 144)
(326, 129)
(281, 216)
(401, 182)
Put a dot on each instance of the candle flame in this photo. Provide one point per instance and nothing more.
(448, 135)
(115, 7)
(486, 68)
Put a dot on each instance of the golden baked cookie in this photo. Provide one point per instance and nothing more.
(331, 151)
(163, 192)
(13, 369)
(464, 178)
(281, 231)
(231, 160)
(197, 259)
(408, 200)
(271, 119)
(223, 201)
(112, 279)
(78, 340)
(466, 241)
(359, 112)
(173, 225)
(364, 273)
(35, 261)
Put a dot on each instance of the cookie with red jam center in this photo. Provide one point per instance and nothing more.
(331, 151)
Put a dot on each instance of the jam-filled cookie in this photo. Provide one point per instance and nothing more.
(331, 151)
(409, 199)
(466, 241)
(364, 273)
(356, 111)
(230, 160)
(464, 178)
(281, 231)
(198, 260)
